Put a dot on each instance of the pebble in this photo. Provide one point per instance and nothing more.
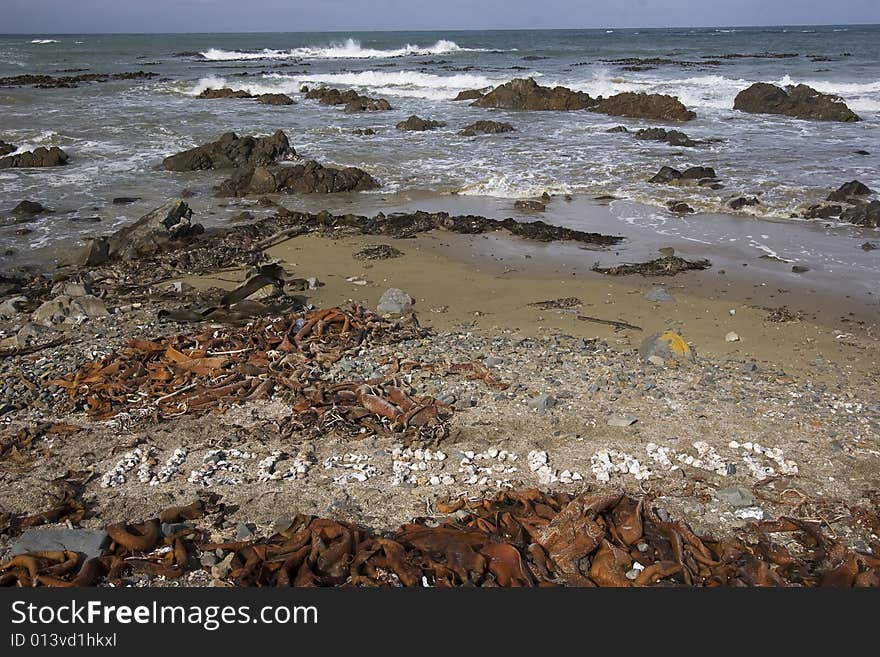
(542, 401)
(621, 420)
(658, 295)
(731, 337)
(736, 496)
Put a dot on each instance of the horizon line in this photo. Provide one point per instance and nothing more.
(447, 29)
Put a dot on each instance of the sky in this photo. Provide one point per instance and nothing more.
(83, 16)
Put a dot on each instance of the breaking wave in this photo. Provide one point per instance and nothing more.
(44, 41)
(350, 49)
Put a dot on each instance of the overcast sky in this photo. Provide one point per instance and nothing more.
(75, 16)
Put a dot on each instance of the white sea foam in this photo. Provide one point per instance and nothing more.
(44, 41)
(350, 49)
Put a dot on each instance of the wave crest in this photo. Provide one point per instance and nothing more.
(350, 49)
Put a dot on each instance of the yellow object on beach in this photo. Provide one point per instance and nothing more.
(676, 343)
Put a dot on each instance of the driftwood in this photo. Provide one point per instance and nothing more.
(610, 322)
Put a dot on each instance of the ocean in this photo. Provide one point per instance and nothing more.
(117, 132)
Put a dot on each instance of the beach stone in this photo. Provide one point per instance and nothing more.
(221, 570)
(11, 308)
(798, 101)
(621, 420)
(736, 496)
(63, 308)
(618, 128)
(87, 543)
(28, 207)
(530, 206)
(658, 295)
(863, 214)
(243, 531)
(155, 231)
(848, 190)
(394, 301)
(542, 401)
(731, 337)
(208, 559)
(665, 346)
(742, 201)
(679, 207)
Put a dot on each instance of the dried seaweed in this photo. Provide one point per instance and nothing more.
(666, 266)
(518, 538)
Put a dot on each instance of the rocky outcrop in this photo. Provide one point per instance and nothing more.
(225, 92)
(526, 94)
(69, 81)
(275, 99)
(485, 127)
(416, 124)
(658, 107)
(6, 149)
(799, 101)
(849, 191)
(39, 157)
(156, 231)
(352, 100)
(306, 178)
(469, 94)
(671, 137)
(863, 214)
(232, 151)
(669, 175)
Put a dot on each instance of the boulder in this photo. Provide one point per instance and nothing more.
(823, 211)
(618, 128)
(848, 190)
(863, 214)
(307, 178)
(742, 201)
(416, 124)
(679, 207)
(669, 175)
(87, 543)
(363, 131)
(28, 208)
(671, 137)
(799, 101)
(39, 157)
(526, 94)
(645, 106)
(485, 127)
(95, 253)
(6, 149)
(275, 99)
(125, 200)
(352, 100)
(469, 94)
(662, 348)
(530, 206)
(366, 104)
(232, 151)
(394, 302)
(69, 309)
(155, 231)
(225, 92)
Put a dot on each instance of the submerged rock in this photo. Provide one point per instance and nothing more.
(670, 175)
(799, 101)
(231, 151)
(530, 206)
(645, 106)
(6, 149)
(485, 127)
(742, 201)
(39, 157)
(307, 178)
(352, 100)
(28, 208)
(679, 207)
(225, 92)
(671, 137)
(417, 124)
(275, 99)
(863, 214)
(526, 94)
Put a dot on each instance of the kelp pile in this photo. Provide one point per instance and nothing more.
(516, 539)
(669, 265)
(216, 368)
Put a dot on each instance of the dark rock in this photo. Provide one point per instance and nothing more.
(847, 190)
(823, 211)
(485, 127)
(275, 99)
(225, 92)
(39, 157)
(618, 128)
(87, 543)
(352, 100)
(645, 106)
(799, 101)
(307, 178)
(155, 231)
(679, 207)
(665, 175)
(469, 94)
(698, 173)
(85, 220)
(526, 94)
(232, 151)
(530, 206)
(416, 124)
(870, 246)
(863, 214)
(799, 269)
(363, 131)
(28, 208)
(742, 201)
(6, 149)
(125, 200)
(671, 137)
(95, 253)
(49, 82)
(862, 152)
